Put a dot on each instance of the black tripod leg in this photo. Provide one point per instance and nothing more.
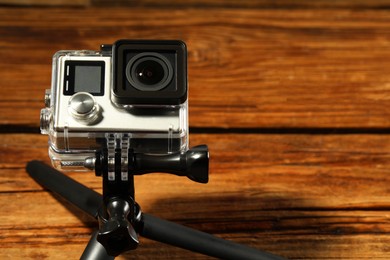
(197, 241)
(87, 200)
(95, 250)
(82, 197)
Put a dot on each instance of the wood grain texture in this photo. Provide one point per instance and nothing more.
(257, 68)
(262, 189)
(270, 4)
(292, 98)
(45, 2)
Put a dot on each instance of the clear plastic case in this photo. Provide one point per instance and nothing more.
(78, 123)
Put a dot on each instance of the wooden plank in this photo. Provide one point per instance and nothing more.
(287, 4)
(257, 68)
(46, 2)
(347, 171)
(300, 196)
(294, 234)
(154, 250)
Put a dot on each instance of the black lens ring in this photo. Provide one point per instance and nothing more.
(147, 56)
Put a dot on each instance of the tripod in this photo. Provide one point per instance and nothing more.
(120, 217)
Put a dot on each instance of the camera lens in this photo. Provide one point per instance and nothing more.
(149, 71)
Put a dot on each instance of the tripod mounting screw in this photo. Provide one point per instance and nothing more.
(116, 234)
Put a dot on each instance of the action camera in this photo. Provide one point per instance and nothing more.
(133, 92)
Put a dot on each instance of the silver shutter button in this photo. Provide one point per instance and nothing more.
(83, 107)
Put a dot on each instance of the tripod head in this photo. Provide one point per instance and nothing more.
(117, 231)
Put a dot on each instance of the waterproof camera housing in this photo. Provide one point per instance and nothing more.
(129, 95)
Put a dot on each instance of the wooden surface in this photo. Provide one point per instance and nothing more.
(292, 100)
(46, 2)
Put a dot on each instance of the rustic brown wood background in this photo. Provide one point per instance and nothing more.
(292, 98)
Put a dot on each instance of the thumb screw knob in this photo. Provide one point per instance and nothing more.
(117, 235)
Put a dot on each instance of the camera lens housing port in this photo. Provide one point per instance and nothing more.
(149, 73)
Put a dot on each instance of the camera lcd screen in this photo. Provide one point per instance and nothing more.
(84, 76)
(87, 79)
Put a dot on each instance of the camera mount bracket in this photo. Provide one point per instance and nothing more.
(116, 217)
(117, 164)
